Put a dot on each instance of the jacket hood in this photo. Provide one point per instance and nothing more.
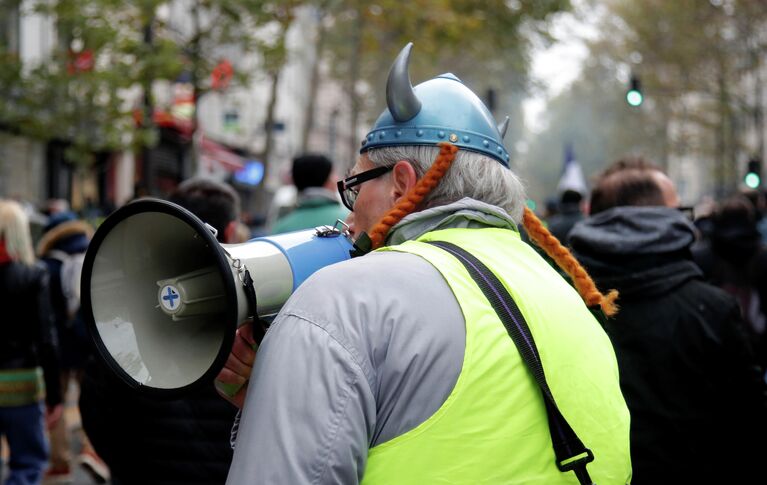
(70, 237)
(636, 250)
(633, 231)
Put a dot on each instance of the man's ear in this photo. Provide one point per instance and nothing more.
(230, 232)
(404, 179)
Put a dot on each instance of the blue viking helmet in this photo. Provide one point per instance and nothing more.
(437, 110)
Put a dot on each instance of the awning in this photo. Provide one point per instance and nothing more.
(214, 155)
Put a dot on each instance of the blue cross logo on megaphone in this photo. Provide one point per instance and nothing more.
(169, 295)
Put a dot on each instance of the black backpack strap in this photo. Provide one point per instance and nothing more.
(571, 454)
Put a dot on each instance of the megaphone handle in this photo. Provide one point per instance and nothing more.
(259, 330)
(259, 325)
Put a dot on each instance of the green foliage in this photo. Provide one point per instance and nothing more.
(94, 105)
(220, 26)
(699, 62)
(485, 42)
(98, 107)
(78, 93)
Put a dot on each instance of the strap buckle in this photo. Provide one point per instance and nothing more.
(576, 461)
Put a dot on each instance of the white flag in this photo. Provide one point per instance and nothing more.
(572, 176)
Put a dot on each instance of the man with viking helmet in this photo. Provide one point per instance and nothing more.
(423, 361)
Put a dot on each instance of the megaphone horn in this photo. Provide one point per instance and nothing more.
(162, 298)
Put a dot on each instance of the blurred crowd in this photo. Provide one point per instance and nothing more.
(47, 359)
(730, 237)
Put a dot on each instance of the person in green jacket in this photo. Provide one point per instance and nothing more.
(318, 204)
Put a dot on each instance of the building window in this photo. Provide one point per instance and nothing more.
(9, 26)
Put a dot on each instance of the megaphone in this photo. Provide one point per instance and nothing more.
(162, 297)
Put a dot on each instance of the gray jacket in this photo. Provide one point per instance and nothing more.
(362, 352)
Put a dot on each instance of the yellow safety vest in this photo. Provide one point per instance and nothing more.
(493, 429)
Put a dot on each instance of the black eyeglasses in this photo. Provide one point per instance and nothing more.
(348, 195)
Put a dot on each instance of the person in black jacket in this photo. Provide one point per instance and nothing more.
(688, 374)
(734, 258)
(62, 248)
(29, 367)
(569, 213)
(147, 441)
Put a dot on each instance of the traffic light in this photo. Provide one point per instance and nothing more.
(634, 95)
(753, 178)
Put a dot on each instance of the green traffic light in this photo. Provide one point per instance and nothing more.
(634, 98)
(753, 181)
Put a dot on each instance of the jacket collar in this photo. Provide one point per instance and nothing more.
(465, 213)
(317, 196)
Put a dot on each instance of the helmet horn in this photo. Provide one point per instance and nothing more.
(400, 97)
(503, 127)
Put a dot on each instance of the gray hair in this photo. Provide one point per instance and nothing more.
(471, 175)
(14, 230)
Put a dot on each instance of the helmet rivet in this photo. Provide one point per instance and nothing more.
(419, 133)
(486, 143)
(364, 142)
(382, 135)
(370, 137)
(441, 134)
(398, 134)
(499, 150)
(466, 138)
(453, 137)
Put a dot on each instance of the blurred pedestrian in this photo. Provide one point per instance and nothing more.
(570, 211)
(687, 372)
(56, 206)
(30, 395)
(550, 207)
(759, 203)
(62, 248)
(183, 441)
(734, 258)
(318, 202)
(395, 367)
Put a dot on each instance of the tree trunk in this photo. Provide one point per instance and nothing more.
(665, 142)
(314, 82)
(720, 148)
(146, 184)
(194, 150)
(758, 108)
(274, 77)
(263, 194)
(354, 75)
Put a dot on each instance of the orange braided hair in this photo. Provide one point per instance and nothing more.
(535, 228)
(410, 201)
(565, 260)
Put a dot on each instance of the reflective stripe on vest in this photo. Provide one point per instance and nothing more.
(493, 428)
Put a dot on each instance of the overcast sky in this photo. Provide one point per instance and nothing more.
(557, 66)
